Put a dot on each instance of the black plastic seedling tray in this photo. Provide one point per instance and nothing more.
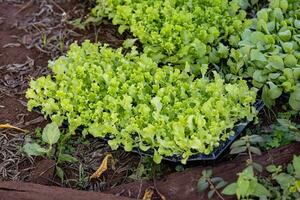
(197, 157)
(218, 151)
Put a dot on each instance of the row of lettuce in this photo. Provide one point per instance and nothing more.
(187, 89)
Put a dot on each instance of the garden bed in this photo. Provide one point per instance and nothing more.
(33, 32)
(177, 186)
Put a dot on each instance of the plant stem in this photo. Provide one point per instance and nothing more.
(214, 188)
(249, 153)
(49, 151)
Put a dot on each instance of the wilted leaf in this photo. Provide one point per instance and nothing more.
(148, 194)
(12, 127)
(103, 167)
(179, 168)
(157, 157)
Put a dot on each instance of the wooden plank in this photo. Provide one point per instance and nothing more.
(30, 191)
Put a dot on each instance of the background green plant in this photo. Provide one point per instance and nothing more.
(269, 53)
(248, 144)
(51, 136)
(213, 184)
(179, 31)
(281, 133)
(281, 183)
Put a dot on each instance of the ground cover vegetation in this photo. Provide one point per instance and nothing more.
(281, 182)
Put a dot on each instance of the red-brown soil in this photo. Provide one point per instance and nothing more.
(13, 81)
(21, 61)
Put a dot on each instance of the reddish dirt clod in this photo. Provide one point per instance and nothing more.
(43, 172)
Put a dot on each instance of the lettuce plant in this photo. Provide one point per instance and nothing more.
(134, 103)
(179, 31)
(269, 52)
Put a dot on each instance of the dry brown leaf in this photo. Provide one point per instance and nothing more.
(148, 193)
(102, 168)
(12, 127)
